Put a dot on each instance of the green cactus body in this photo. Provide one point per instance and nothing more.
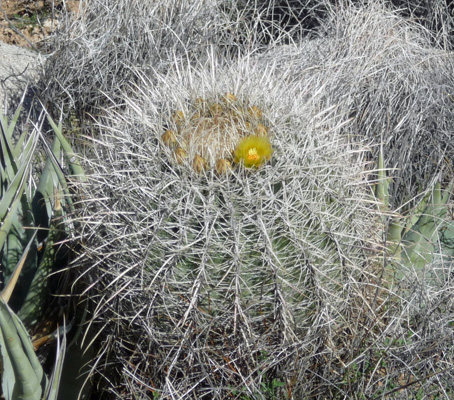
(420, 238)
(228, 256)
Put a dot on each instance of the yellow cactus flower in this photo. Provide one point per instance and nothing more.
(252, 151)
(215, 132)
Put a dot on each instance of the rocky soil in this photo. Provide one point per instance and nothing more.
(27, 22)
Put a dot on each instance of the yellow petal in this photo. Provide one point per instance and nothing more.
(253, 150)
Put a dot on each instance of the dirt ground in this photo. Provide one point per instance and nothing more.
(27, 22)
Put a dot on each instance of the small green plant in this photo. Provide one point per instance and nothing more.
(268, 391)
(27, 20)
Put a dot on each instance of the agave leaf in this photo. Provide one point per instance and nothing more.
(32, 308)
(447, 232)
(59, 174)
(9, 133)
(426, 211)
(23, 377)
(8, 290)
(41, 204)
(52, 389)
(48, 177)
(9, 128)
(72, 158)
(18, 239)
(447, 241)
(6, 153)
(431, 217)
(17, 182)
(395, 224)
(7, 223)
(394, 239)
(19, 144)
(14, 215)
(412, 237)
(448, 192)
(416, 213)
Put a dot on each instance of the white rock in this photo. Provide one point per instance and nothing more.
(19, 68)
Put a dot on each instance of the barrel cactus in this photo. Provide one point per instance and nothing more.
(234, 229)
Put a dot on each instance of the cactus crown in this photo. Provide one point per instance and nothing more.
(212, 134)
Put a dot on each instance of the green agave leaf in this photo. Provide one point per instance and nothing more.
(8, 290)
(33, 305)
(41, 203)
(48, 178)
(20, 144)
(11, 241)
(395, 225)
(447, 240)
(7, 222)
(412, 238)
(6, 154)
(447, 193)
(395, 231)
(447, 232)
(412, 219)
(429, 220)
(10, 201)
(22, 376)
(9, 128)
(52, 389)
(59, 174)
(72, 158)
(401, 225)
(18, 239)
(17, 221)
